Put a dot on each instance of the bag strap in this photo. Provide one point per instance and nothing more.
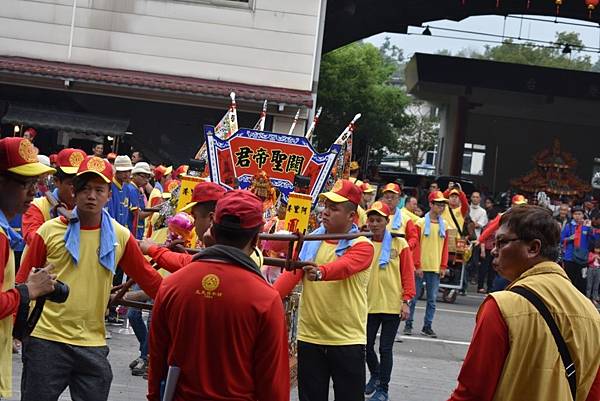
(458, 227)
(558, 338)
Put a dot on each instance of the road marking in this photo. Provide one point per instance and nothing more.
(450, 310)
(436, 340)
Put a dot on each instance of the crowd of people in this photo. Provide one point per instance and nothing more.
(88, 222)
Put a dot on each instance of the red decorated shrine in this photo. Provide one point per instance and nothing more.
(554, 174)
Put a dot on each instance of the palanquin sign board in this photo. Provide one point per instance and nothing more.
(280, 156)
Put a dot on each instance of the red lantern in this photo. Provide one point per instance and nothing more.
(591, 5)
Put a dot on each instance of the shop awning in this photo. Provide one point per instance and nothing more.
(66, 121)
(125, 83)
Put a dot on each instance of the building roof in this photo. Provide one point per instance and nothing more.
(151, 81)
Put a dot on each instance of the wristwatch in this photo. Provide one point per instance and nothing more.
(319, 275)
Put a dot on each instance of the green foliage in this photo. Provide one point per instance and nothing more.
(357, 78)
(418, 135)
(550, 55)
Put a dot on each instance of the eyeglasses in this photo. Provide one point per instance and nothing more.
(26, 184)
(502, 242)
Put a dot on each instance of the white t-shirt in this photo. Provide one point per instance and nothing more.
(479, 216)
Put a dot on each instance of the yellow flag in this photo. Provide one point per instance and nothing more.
(298, 212)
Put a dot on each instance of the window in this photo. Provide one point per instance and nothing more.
(473, 159)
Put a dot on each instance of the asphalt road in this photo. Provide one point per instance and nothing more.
(424, 368)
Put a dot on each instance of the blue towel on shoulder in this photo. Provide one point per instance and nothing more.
(15, 240)
(386, 248)
(442, 227)
(310, 248)
(108, 240)
(397, 222)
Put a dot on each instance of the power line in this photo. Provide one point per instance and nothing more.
(594, 26)
(493, 41)
(546, 44)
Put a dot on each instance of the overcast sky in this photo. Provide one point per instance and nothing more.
(415, 42)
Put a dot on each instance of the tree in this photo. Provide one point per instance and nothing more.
(357, 79)
(550, 55)
(418, 135)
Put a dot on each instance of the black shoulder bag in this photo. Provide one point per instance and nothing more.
(558, 338)
(455, 220)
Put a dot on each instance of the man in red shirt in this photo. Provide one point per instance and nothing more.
(219, 321)
(202, 207)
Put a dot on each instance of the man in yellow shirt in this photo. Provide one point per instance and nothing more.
(67, 348)
(410, 208)
(458, 206)
(354, 172)
(397, 222)
(333, 308)
(19, 172)
(433, 260)
(391, 286)
(368, 195)
(40, 211)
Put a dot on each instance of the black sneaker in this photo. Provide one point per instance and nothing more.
(140, 370)
(407, 330)
(428, 332)
(136, 362)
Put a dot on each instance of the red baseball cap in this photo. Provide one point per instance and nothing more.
(519, 199)
(437, 196)
(161, 171)
(343, 191)
(381, 208)
(392, 187)
(239, 209)
(96, 165)
(205, 192)
(183, 169)
(69, 160)
(366, 188)
(19, 156)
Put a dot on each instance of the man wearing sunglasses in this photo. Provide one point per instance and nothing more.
(512, 341)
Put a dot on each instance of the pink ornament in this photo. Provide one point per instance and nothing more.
(181, 226)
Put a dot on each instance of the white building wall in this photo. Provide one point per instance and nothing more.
(268, 42)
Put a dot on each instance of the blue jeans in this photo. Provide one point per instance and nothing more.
(432, 281)
(140, 329)
(381, 369)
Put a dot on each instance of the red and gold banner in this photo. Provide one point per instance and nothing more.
(280, 156)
